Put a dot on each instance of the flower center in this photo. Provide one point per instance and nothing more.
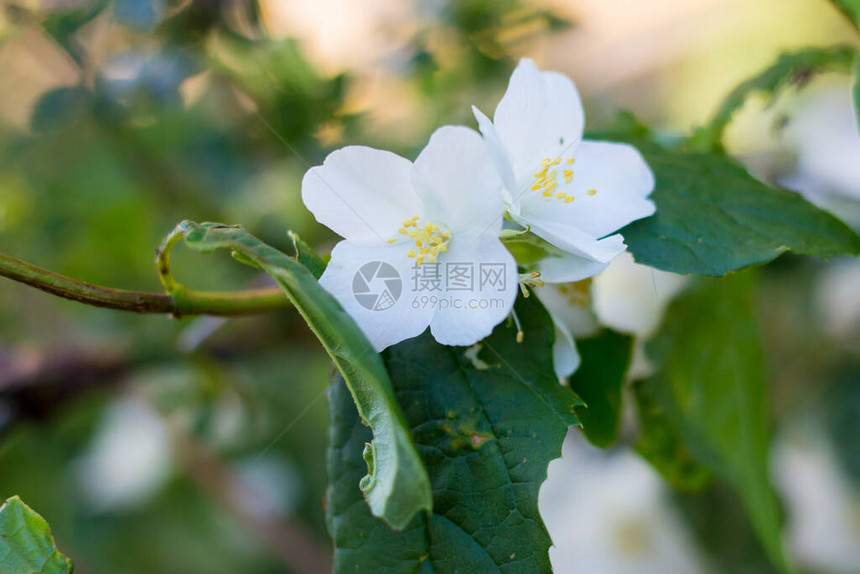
(429, 239)
(577, 294)
(546, 179)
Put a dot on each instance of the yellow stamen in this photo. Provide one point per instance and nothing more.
(561, 195)
(392, 240)
(568, 173)
(592, 191)
(410, 253)
(568, 199)
(569, 161)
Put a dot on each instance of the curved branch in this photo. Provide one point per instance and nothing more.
(191, 303)
(793, 68)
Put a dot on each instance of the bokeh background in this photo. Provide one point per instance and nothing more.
(197, 446)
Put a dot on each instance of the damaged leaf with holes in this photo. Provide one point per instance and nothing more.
(487, 420)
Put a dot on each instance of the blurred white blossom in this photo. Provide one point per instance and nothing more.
(607, 512)
(825, 134)
(823, 510)
(631, 298)
(129, 458)
(837, 298)
(627, 297)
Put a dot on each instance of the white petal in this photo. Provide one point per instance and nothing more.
(383, 326)
(455, 178)
(572, 239)
(497, 151)
(621, 182)
(576, 317)
(565, 357)
(469, 315)
(362, 194)
(568, 268)
(539, 116)
(632, 298)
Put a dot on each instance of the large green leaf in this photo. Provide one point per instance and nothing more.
(396, 486)
(26, 544)
(851, 9)
(598, 381)
(714, 217)
(661, 444)
(711, 385)
(487, 421)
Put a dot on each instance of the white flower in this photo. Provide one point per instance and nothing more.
(573, 193)
(608, 512)
(627, 297)
(632, 298)
(822, 504)
(569, 307)
(426, 219)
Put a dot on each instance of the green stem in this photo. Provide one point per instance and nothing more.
(795, 68)
(190, 303)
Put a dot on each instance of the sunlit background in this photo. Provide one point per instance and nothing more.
(197, 446)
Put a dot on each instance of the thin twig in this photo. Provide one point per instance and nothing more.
(223, 304)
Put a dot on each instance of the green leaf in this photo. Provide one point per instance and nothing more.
(397, 486)
(63, 21)
(790, 69)
(526, 247)
(711, 385)
(307, 256)
(26, 544)
(661, 444)
(851, 9)
(58, 107)
(714, 217)
(487, 421)
(598, 381)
